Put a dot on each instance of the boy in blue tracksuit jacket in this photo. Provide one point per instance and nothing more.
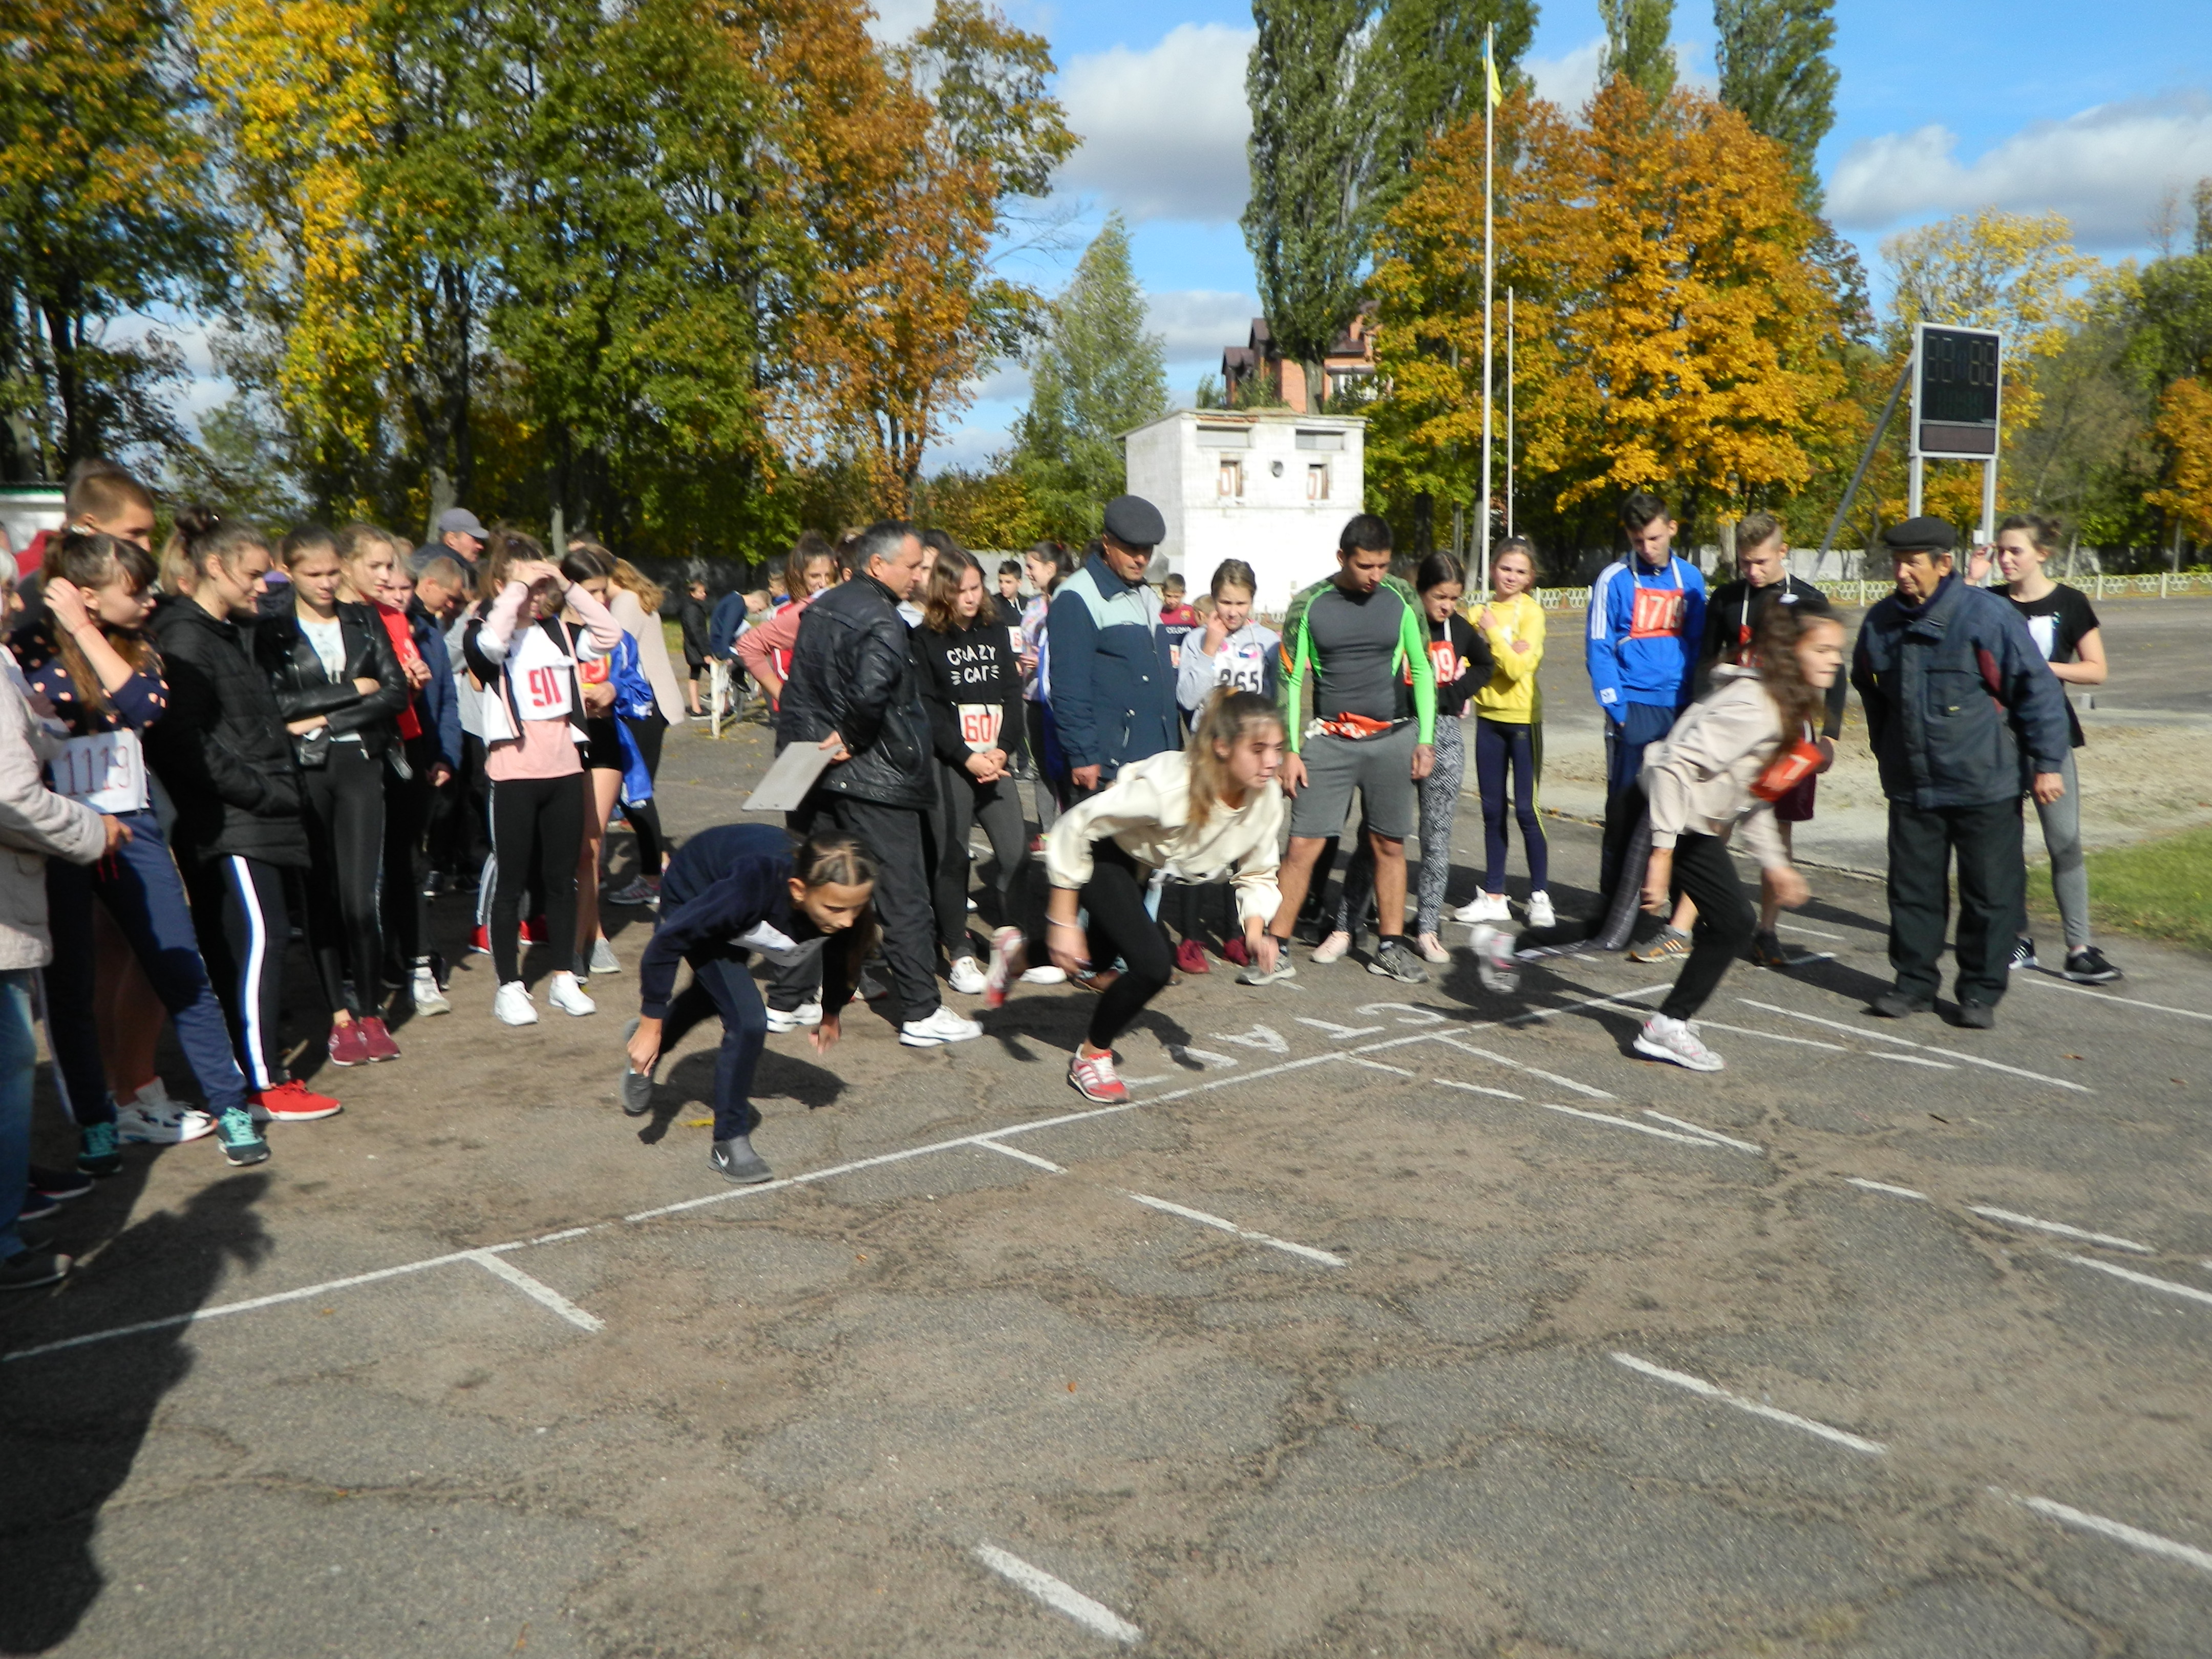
(1647, 613)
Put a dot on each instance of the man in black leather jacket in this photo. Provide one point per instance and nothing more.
(855, 689)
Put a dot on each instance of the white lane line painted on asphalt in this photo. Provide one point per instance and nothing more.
(1884, 1187)
(2150, 1542)
(537, 1290)
(1773, 1036)
(554, 1238)
(2106, 996)
(1094, 1616)
(1374, 1065)
(1698, 1140)
(1816, 932)
(2189, 1291)
(1911, 1059)
(1698, 1385)
(1533, 1071)
(223, 1309)
(1925, 1048)
(1478, 1089)
(1027, 1158)
(1752, 1146)
(1227, 1226)
(1585, 1002)
(1340, 1033)
(2014, 1218)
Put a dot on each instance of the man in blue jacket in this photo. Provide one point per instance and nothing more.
(1113, 679)
(1965, 717)
(1647, 613)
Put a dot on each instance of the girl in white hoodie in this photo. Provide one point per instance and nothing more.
(1729, 756)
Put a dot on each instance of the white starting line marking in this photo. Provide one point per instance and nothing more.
(1910, 1059)
(537, 1290)
(1227, 1226)
(1533, 1071)
(1698, 1385)
(2014, 1218)
(1800, 927)
(1374, 1065)
(1587, 1002)
(1044, 1164)
(1884, 1187)
(1751, 1147)
(1926, 1047)
(2067, 1515)
(2106, 996)
(1059, 1596)
(2149, 1281)
(1699, 1140)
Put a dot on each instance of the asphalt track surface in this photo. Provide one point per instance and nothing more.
(1386, 1319)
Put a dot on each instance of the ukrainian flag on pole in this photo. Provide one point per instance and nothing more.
(1489, 68)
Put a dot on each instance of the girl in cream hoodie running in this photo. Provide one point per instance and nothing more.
(1745, 742)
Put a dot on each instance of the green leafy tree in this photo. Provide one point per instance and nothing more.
(1775, 74)
(1636, 46)
(1095, 374)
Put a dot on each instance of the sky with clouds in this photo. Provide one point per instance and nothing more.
(2025, 104)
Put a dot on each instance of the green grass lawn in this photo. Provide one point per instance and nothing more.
(2160, 888)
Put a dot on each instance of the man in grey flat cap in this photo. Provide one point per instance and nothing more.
(461, 535)
(1113, 679)
(1966, 718)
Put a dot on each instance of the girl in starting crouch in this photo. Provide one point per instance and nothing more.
(727, 893)
(1732, 753)
(1207, 812)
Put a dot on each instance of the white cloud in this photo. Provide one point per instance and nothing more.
(1197, 323)
(1163, 129)
(1568, 81)
(895, 20)
(2106, 169)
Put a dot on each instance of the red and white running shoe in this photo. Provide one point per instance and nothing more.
(1009, 951)
(1093, 1076)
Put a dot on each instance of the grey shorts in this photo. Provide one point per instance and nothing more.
(1380, 767)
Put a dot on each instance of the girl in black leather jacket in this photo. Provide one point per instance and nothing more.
(340, 687)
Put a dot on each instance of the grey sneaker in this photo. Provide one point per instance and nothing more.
(603, 959)
(1672, 945)
(1283, 969)
(1395, 959)
(736, 1159)
(636, 1089)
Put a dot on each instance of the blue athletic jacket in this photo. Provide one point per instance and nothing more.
(722, 884)
(1113, 679)
(438, 704)
(1645, 627)
(722, 627)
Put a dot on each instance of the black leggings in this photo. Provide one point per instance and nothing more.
(238, 912)
(1725, 920)
(407, 807)
(345, 815)
(645, 816)
(537, 831)
(1115, 896)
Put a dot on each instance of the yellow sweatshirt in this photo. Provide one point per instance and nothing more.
(1512, 695)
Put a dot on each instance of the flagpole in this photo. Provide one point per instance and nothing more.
(1489, 103)
(1508, 410)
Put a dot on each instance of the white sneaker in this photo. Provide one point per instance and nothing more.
(967, 978)
(1540, 911)
(1044, 973)
(137, 1124)
(1494, 962)
(511, 1004)
(564, 994)
(1330, 949)
(603, 959)
(790, 1019)
(428, 998)
(1677, 1040)
(1484, 907)
(941, 1027)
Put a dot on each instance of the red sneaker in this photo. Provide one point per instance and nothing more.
(1234, 951)
(1093, 1076)
(534, 931)
(349, 1045)
(1190, 957)
(379, 1039)
(1009, 954)
(291, 1102)
(480, 941)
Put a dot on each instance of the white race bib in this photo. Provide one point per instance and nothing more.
(980, 723)
(105, 772)
(1242, 667)
(539, 670)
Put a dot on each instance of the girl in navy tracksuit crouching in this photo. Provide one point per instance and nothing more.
(730, 892)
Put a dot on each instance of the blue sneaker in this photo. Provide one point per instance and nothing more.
(242, 1143)
(97, 1150)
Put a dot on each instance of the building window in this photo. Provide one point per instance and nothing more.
(1231, 486)
(1308, 439)
(1317, 482)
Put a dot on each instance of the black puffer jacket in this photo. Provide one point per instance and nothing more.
(304, 687)
(221, 748)
(853, 673)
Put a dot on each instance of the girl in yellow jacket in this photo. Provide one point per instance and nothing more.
(1508, 732)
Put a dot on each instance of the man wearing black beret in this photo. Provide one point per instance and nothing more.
(1966, 718)
(1113, 679)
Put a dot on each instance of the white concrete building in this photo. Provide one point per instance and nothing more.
(1269, 486)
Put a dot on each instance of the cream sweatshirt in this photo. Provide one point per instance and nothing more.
(1145, 811)
(1699, 777)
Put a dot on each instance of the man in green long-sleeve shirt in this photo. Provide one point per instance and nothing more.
(1374, 720)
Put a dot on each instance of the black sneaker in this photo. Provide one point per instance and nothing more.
(1898, 1005)
(1977, 1015)
(2087, 966)
(37, 1206)
(27, 1270)
(62, 1184)
(2023, 955)
(1767, 951)
(1395, 959)
(736, 1159)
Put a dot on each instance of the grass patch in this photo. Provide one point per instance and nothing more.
(2160, 888)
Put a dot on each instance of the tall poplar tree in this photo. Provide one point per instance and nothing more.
(1636, 32)
(1775, 74)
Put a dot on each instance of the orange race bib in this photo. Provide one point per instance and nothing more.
(1657, 613)
(1787, 770)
